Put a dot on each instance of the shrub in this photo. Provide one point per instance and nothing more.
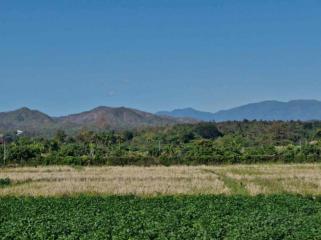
(5, 182)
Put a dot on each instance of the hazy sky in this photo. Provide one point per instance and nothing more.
(66, 56)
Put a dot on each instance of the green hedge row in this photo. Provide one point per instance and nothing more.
(166, 161)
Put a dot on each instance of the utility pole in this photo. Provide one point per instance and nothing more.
(18, 133)
(4, 148)
(4, 151)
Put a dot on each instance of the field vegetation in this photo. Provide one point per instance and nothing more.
(182, 217)
(304, 179)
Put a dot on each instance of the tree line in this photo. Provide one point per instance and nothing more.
(190, 144)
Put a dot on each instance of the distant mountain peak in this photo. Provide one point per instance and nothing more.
(187, 113)
(24, 109)
(304, 110)
(266, 110)
(187, 108)
(100, 118)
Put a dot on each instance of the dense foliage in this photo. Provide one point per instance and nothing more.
(203, 143)
(198, 217)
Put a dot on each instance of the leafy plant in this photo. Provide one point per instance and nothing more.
(183, 217)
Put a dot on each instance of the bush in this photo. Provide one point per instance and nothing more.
(5, 182)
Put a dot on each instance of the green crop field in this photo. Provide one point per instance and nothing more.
(274, 201)
(183, 217)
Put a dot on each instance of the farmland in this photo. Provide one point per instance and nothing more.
(267, 201)
(251, 180)
(182, 217)
(234, 180)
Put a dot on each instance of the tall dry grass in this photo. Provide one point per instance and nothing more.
(52, 181)
(151, 181)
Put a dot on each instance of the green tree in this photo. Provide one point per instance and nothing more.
(207, 130)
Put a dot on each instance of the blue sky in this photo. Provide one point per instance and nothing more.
(68, 56)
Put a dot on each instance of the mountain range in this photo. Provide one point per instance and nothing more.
(304, 110)
(37, 123)
(34, 122)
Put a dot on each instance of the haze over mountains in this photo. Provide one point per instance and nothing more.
(304, 110)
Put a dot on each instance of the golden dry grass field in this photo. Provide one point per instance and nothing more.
(150, 181)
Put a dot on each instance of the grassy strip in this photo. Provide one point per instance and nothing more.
(236, 187)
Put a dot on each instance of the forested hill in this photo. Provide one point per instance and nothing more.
(34, 122)
(304, 110)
